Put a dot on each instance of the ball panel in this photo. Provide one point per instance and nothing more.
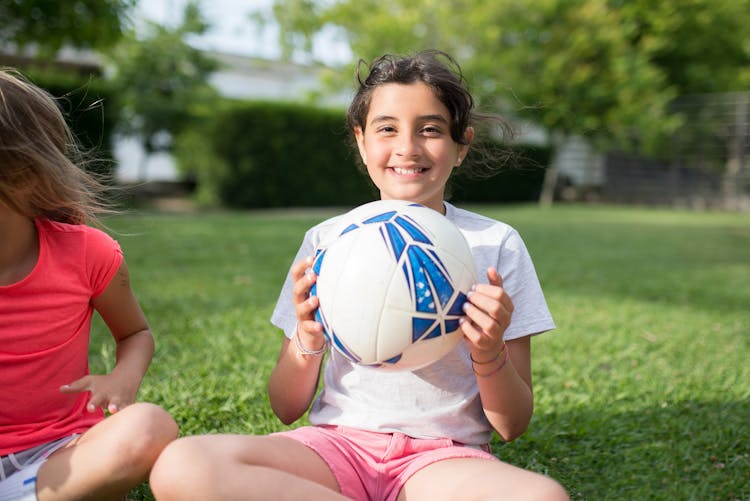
(350, 306)
(393, 334)
(424, 353)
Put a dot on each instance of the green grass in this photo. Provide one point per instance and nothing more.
(642, 392)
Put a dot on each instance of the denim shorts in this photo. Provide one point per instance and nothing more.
(372, 465)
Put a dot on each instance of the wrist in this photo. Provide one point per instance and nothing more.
(484, 358)
(309, 350)
(492, 366)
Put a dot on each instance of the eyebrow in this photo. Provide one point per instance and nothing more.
(422, 118)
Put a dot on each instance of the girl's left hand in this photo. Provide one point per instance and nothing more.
(488, 313)
(107, 391)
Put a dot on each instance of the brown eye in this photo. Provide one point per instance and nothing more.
(431, 130)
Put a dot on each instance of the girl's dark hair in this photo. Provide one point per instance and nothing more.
(443, 74)
(40, 161)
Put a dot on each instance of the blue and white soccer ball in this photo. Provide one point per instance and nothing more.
(392, 280)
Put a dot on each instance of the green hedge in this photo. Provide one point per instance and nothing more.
(520, 180)
(266, 154)
(88, 105)
(279, 155)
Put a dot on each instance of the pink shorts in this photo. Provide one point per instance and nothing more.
(370, 465)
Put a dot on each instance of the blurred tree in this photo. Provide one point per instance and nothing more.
(604, 69)
(160, 79)
(50, 25)
(701, 45)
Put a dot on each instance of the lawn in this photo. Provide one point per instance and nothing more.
(642, 391)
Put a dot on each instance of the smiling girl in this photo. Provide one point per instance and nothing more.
(416, 435)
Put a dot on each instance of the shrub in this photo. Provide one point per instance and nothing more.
(89, 107)
(249, 154)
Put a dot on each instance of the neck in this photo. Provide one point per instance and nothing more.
(19, 246)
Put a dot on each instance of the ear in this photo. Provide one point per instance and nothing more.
(463, 149)
(359, 135)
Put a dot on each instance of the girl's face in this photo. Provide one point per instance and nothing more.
(407, 146)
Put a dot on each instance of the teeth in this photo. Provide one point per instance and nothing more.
(402, 171)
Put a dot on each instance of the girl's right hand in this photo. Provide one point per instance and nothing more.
(310, 331)
(294, 379)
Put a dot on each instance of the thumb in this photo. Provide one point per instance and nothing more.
(76, 386)
(494, 277)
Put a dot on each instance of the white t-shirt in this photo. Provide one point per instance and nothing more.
(442, 399)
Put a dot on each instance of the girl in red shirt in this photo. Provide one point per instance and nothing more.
(55, 271)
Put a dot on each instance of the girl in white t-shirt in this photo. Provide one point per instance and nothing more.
(378, 435)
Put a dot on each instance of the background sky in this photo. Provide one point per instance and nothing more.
(232, 31)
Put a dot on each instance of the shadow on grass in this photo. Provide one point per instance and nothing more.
(683, 451)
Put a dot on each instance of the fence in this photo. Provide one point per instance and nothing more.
(706, 164)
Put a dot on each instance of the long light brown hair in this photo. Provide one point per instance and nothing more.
(41, 173)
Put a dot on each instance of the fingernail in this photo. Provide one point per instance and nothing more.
(465, 306)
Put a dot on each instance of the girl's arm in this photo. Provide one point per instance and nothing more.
(120, 310)
(294, 379)
(503, 371)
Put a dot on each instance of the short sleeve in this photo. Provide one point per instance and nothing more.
(103, 259)
(283, 315)
(530, 312)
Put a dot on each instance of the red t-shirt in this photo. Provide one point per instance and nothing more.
(45, 322)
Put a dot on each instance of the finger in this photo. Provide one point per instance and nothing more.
(306, 309)
(117, 403)
(302, 285)
(495, 286)
(482, 319)
(498, 306)
(476, 336)
(311, 327)
(299, 268)
(494, 277)
(497, 303)
(310, 335)
(76, 386)
(94, 403)
(496, 280)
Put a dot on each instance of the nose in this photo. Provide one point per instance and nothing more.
(408, 146)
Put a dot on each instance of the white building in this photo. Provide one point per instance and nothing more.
(238, 77)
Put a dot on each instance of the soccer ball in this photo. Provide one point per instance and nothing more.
(392, 278)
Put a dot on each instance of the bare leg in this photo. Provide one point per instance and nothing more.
(241, 467)
(110, 459)
(479, 479)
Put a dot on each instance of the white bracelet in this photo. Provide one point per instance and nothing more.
(302, 351)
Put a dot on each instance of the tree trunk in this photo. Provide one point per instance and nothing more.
(547, 195)
(730, 183)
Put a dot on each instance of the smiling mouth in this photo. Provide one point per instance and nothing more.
(402, 171)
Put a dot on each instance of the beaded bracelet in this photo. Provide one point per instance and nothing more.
(504, 361)
(302, 351)
(502, 350)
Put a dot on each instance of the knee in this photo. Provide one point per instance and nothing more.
(523, 485)
(151, 430)
(178, 469)
(548, 489)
